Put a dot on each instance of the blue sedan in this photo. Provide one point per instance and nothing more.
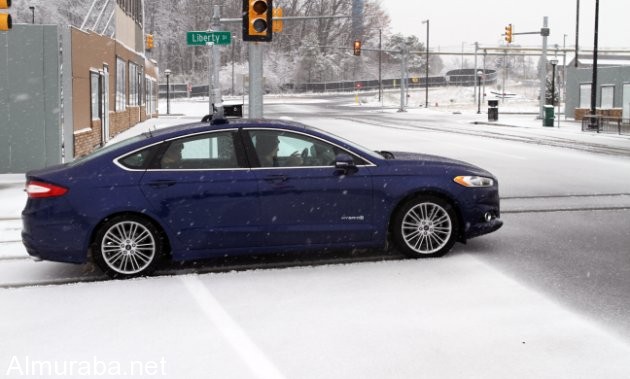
(246, 187)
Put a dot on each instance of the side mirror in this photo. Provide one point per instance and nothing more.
(345, 165)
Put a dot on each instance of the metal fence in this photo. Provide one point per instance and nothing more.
(466, 77)
(606, 124)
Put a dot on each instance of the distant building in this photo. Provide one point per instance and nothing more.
(66, 91)
(613, 86)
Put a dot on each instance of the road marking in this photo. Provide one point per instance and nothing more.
(255, 359)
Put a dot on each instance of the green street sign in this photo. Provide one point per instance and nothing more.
(208, 38)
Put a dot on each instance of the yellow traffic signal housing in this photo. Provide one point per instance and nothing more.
(357, 48)
(508, 33)
(276, 24)
(6, 23)
(257, 20)
(149, 42)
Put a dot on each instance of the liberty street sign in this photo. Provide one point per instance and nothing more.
(208, 38)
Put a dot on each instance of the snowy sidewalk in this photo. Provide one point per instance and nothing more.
(12, 200)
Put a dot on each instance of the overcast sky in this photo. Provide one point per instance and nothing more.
(453, 22)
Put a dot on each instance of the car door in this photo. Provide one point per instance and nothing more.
(304, 199)
(201, 186)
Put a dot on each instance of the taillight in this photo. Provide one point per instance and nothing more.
(39, 190)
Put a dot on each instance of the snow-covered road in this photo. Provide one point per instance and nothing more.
(440, 318)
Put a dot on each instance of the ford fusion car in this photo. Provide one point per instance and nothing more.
(248, 187)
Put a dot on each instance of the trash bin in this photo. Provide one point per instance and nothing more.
(493, 110)
(548, 115)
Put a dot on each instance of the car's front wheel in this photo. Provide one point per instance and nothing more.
(127, 246)
(425, 226)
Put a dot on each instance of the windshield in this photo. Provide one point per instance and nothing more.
(354, 145)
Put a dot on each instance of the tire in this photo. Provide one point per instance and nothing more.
(128, 246)
(425, 226)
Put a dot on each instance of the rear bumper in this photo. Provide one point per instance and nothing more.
(54, 241)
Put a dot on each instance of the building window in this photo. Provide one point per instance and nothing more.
(140, 78)
(132, 8)
(121, 85)
(95, 98)
(133, 84)
(585, 95)
(625, 100)
(607, 97)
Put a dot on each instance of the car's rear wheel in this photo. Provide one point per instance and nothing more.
(127, 246)
(425, 226)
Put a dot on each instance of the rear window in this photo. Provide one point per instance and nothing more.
(107, 149)
(138, 160)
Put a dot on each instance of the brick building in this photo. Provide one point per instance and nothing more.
(114, 85)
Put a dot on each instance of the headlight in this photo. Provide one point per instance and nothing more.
(474, 181)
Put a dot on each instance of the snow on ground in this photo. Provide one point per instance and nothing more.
(12, 200)
(441, 318)
(12, 196)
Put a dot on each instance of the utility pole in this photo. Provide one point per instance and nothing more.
(577, 31)
(255, 79)
(477, 82)
(543, 66)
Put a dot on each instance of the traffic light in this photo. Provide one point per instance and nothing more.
(257, 20)
(5, 19)
(357, 48)
(149, 42)
(508, 33)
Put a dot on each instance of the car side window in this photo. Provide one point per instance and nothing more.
(285, 149)
(203, 152)
(138, 160)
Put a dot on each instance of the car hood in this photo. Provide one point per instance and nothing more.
(404, 158)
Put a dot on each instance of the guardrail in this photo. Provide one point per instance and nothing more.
(606, 124)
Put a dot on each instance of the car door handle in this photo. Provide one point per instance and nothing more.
(276, 178)
(162, 183)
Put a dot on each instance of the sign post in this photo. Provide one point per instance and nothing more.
(212, 39)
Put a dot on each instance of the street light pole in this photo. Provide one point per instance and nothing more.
(553, 63)
(167, 72)
(233, 44)
(380, 57)
(594, 82)
(479, 76)
(32, 8)
(426, 72)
